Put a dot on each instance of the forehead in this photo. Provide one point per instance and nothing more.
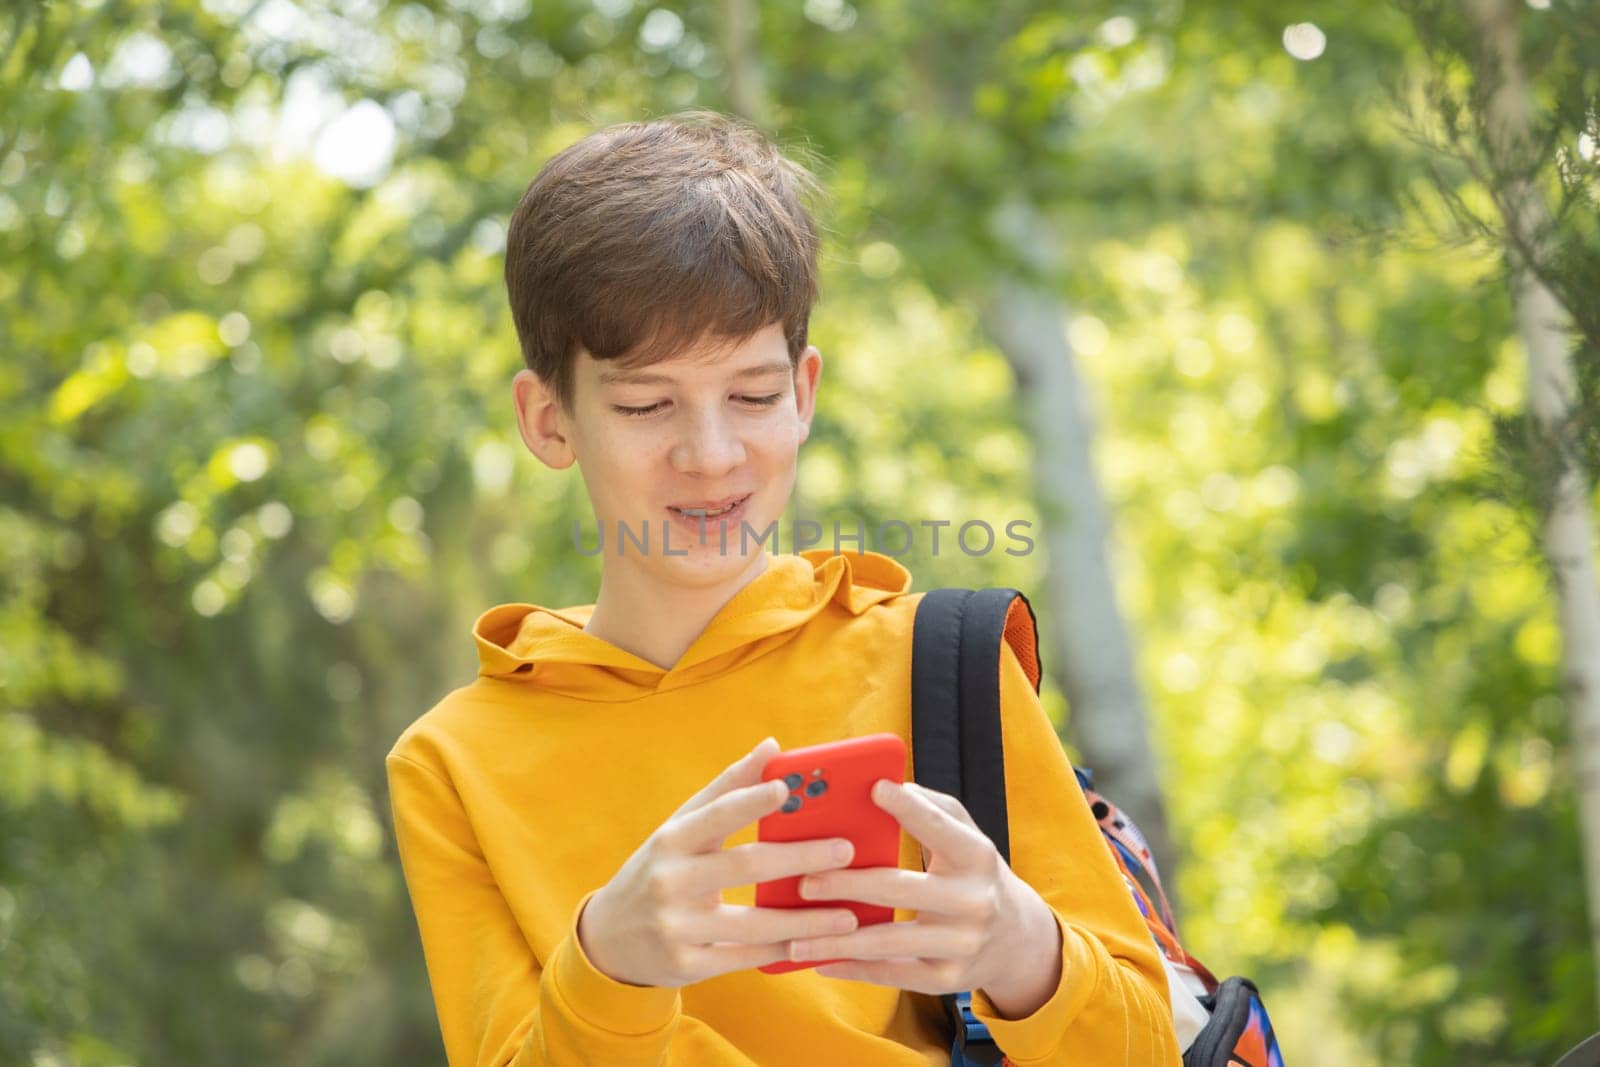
(763, 355)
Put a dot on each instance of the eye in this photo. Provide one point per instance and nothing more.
(759, 401)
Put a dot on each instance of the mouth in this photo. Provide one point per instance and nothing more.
(729, 509)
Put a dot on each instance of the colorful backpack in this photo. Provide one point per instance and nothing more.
(956, 749)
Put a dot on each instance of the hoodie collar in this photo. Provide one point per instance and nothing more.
(549, 645)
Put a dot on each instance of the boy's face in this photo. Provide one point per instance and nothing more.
(712, 425)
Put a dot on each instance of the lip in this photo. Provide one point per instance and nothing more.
(699, 525)
(713, 505)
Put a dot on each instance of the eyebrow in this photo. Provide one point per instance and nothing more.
(759, 370)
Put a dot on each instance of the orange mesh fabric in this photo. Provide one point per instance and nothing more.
(1024, 642)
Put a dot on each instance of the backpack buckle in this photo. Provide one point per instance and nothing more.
(973, 1043)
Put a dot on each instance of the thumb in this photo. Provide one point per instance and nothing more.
(746, 770)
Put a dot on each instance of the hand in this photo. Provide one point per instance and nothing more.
(660, 920)
(978, 925)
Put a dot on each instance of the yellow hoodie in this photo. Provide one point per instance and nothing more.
(519, 795)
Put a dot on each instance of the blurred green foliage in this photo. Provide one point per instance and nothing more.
(258, 474)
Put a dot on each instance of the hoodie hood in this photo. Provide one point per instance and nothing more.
(548, 647)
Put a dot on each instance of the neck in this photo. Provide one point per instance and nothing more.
(656, 619)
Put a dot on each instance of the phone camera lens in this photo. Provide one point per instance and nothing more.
(792, 780)
(792, 804)
(816, 788)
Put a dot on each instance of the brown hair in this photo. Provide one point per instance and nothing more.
(646, 237)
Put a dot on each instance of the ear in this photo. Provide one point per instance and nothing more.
(544, 425)
(807, 372)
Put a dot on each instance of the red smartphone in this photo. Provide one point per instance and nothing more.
(830, 795)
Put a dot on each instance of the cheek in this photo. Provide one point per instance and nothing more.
(621, 461)
(626, 446)
(777, 439)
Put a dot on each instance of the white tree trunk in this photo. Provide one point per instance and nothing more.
(1567, 535)
(1091, 642)
(741, 58)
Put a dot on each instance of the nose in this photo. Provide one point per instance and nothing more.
(707, 444)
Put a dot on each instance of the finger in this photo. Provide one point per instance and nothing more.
(934, 827)
(890, 887)
(916, 976)
(743, 771)
(745, 925)
(765, 861)
(705, 961)
(705, 828)
(947, 802)
(914, 938)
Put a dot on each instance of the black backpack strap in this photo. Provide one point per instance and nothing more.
(956, 732)
(955, 701)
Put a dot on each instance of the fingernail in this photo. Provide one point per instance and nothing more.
(763, 744)
(808, 886)
(880, 791)
(842, 851)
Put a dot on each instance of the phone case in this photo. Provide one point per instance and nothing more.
(830, 794)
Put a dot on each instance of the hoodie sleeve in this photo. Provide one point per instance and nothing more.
(1111, 1006)
(496, 1004)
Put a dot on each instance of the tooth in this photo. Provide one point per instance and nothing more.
(705, 512)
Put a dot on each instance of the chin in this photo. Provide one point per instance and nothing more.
(711, 556)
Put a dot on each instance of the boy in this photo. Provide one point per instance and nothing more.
(579, 901)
